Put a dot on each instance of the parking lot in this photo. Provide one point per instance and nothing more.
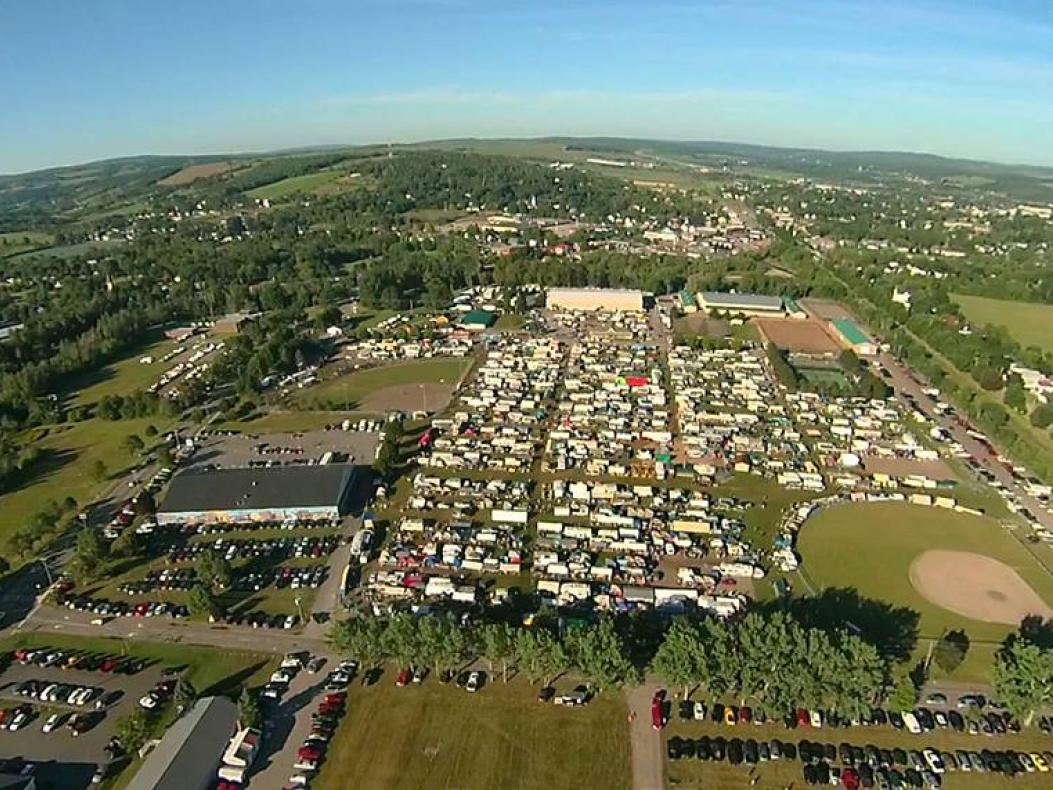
(227, 450)
(67, 761)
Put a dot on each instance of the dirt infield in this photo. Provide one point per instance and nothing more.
(903, 467)
(800, 336)
(430, 397)
(975, 586)
(823, 309)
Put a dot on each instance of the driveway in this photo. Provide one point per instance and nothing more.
(645, 741)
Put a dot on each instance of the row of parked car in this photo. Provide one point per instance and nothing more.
(258, 619)
(77, 659)
(252, 526)
(166, 579)
(866, 766)
(916, 722)
(62, 693)
(303, 547)
(104, 607)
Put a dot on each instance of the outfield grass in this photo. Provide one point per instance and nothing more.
(349, 389)
(294, 184)
(65, 467)
(870, 547)
(1029, 323)
(439, 737)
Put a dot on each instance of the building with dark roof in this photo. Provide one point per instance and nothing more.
(188, 755)
(478, 320)
(272, 493)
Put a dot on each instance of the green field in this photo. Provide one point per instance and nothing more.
(440, 737)
(64, 469)
(293, 185)
(1029, 323)
(24, 241)
(124, 376)
(870, 547)
(348, 390)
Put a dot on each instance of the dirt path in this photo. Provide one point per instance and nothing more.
(645, 742)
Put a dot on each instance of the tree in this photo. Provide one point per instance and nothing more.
(402, 640)
(950, 650)
(150, 431)
(677, 659)
(1023, 677)
(99, 472)
(145, 505)
(361, 638)
(497, 642)
(1015, 396)
(133, 444)
(599, 653)
(444, 643)
(201, 602)
(541, 655)
(185, 694)
(133, 731)
(249, 709)
(1042, 416)
(89, 553)
(849, 361)
(213, 570)
(904, 694)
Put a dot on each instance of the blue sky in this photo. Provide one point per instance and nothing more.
(87, 80)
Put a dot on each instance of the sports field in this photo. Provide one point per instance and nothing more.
(424, 384)
(1029, 323)
(441, 737)
(872, 548)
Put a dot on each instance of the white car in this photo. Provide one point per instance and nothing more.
(54, 721)
(149, 702)
(815, 719)
(19, 721)
(299, 780)
(699, 711)
(910, 721)
(306, 766)
(472, 685)
(935, 762)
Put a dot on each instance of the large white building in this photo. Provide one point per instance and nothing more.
(746, 304)
(625, 299)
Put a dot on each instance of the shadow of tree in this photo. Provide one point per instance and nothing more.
(1038, 631)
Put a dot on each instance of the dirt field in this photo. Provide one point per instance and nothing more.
(701, 324)
(902, 467)
(794, 335)
(193, 172)
(430, 397)
(975, 586)
(823, 309)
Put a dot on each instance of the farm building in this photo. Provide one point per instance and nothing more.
(190, 751)
(595, 299)
(747, 304)
(850, 334)
(477, 320)
(241, 494)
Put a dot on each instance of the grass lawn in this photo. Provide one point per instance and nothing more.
(24, 241)
(692, 773)
(870, 547)
(439, 736)
(284, 422)
(64, 469)
(124, 376)
(1029, 323)
(508, 322)
(348, 390)
(291, 186)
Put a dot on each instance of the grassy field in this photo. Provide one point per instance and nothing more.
(283, 422)
(870, 547)
(24, 241)
(509, 322)
(348, 390)
(439, 737)
(64, 469)
(124, 376)
(691, 773)
(293, 185)
(1029, 323)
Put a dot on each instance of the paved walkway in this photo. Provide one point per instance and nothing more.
(645, 742)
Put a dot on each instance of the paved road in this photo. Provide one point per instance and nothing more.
(644, 741)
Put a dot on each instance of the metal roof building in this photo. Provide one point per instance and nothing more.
(758, 304)
(188, 755)
(274, 493)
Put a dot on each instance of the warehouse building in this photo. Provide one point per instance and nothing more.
(276, 493)
(613, 299)
(188, 755)
(478, 320)
(852, 336)
(746, 304)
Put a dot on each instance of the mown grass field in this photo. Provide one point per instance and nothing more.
(65, 468)
(293, 185)
(692, 773)
(1029, 323)
(500, 738)
(24, 241)
(348, 390)
(123, 376)
(870, 547)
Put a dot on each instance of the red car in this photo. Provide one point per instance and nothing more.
(849, 778)
(335, 696)
(108, 665)
(403, 678)
(658, 719)
(308, 753)
(745, 715)
(802, 717)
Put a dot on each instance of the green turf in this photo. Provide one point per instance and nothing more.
(293, 185)
(1029, 323)
(124, 376)
(440, 737)
(870, 547)
(283, 422)
(509, 322)
(24, 241)
(348, 390)
(64, 469)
